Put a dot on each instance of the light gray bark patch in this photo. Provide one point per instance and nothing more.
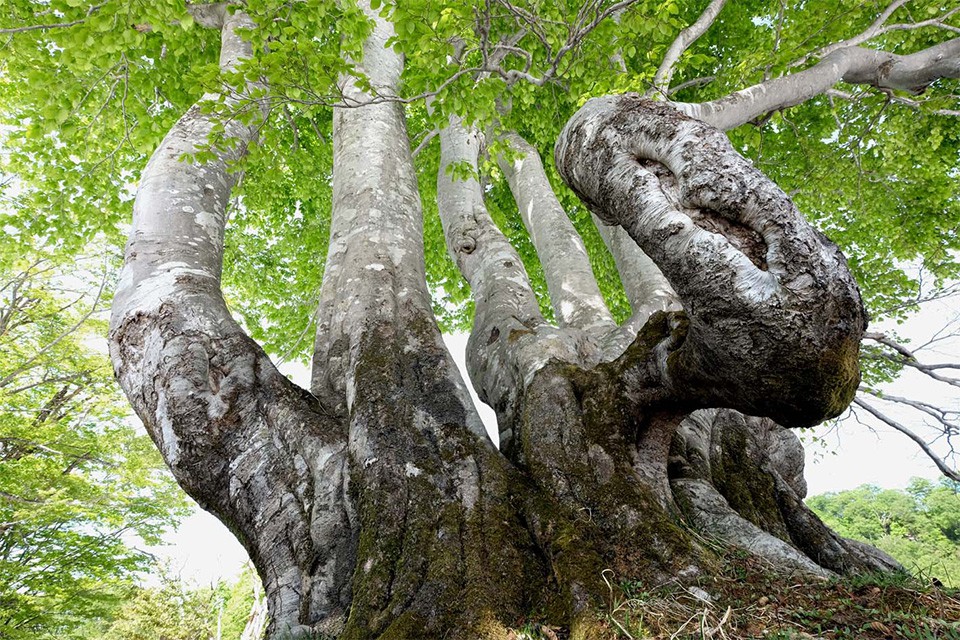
(375, 274)
(248, 445)
(574, 293)
(851, 64)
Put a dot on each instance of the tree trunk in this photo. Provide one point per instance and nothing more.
(375, 506)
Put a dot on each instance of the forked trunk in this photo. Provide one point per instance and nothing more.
(375, 506)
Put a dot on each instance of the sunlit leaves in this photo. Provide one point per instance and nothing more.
(83, 106)
(78, 486)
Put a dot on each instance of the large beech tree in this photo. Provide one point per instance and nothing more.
(374, 504)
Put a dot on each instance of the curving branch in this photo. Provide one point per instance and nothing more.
(877, 28)
(905, 357)
(920, 442)
(245, 442)
(853, 65)
(775, 318)
(683, 41)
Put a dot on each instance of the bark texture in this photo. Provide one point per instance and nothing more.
(248, 445)
(772, 317)
(574, 293)
(375, 506)
(851, 64)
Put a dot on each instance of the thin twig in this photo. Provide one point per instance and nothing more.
(941, 465)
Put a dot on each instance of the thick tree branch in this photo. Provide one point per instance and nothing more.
(505, 348)
(878, 28)
(245, 442)
(744, 262)
(374, 277)
(853, 65)
(686, 38)
(643, 282)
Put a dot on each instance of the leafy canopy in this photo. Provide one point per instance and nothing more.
(78, 486)
(83, 105)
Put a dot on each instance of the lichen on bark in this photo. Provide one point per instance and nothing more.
(375, 506)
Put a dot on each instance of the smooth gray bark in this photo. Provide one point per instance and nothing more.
(573, 289)
(510, 341)
(853, 65)
(240, 438)
(374, 271)
(648, 291)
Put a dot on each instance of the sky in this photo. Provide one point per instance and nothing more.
(838, 456)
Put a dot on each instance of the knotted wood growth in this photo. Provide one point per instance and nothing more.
(776, 335)
(374, 505)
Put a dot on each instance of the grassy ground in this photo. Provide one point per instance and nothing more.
(748, 601)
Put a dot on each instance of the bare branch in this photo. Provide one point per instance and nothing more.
(883, 339)
(683, 41)
(907, 358)
(854, 65)
(426, 140)
(694, 82)
(870, 32)
(887, 420)
(946, 419)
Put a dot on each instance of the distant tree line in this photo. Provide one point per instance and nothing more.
(919, 526)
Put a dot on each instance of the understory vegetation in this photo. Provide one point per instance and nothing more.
(746, 600)
(919, 526)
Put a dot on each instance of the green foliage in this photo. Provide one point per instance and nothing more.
(920, 526)
(78, 486)
(176, 610)
(82, 105)
(169, 611)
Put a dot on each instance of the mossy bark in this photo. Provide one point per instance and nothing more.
(455, 539)
(375, 507)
